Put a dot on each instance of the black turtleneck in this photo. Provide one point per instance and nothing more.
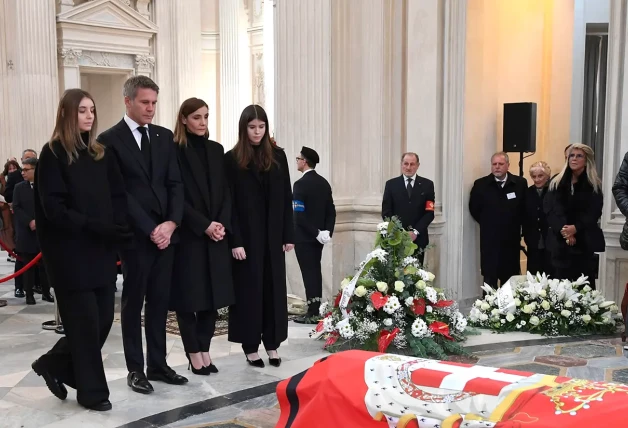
(198, 143)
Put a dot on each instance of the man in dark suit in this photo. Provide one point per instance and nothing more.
(148, 161)
(497, 203)
(411, 198)
(314, 220)
(26, 243)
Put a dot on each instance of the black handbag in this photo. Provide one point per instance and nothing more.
(623, 238)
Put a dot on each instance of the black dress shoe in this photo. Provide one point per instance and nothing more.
(56, 387)
(256, 363)
(103, 406)
(30, 300)
(47, 297)
(37, 290)
(138, 383)
(307, 319)
(165, 374)
(19, 293)
(212, 368)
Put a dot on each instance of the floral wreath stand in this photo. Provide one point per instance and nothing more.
(374, 390)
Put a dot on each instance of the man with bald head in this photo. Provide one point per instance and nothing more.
(497, 203)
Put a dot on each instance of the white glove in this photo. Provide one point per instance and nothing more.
(319, 238)
(325, 237)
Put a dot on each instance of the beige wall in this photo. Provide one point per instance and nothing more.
(209, 16)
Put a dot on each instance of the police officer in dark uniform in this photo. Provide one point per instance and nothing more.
(314, 218)
(411, 197)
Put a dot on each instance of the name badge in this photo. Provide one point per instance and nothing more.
(511, 195)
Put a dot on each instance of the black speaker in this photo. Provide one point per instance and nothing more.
(520, 127)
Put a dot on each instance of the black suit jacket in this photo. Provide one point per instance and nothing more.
(416, 212)
(534, 222)
(24, 213)
(313, 207)
(153, 197)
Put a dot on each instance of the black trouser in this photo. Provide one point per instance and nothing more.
(268, 314)
(76, 358)
(197, 330)
(34, 276)
(147, 271)
(572, 266)
(420, 255)
(309, 257)
(19, 280)
(539, 261)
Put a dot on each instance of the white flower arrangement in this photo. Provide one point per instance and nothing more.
(546, 306)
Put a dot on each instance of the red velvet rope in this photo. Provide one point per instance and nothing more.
(8, 250)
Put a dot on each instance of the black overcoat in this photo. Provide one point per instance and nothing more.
(202, 277)
(499, 212)
(67, 196)
(534, 222)
(262, 234)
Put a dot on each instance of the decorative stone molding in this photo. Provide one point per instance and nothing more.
(106, 59)
(142, 7)
(145, 62)
(70, 57)
(259, 94)
(126, 2)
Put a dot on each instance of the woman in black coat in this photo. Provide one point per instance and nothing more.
(573, 207)
(262, 232)
(80, 217)
(534, 222)
(201, 282)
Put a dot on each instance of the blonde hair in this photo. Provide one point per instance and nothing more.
(67, 131)
(590, 169)
(543, 166)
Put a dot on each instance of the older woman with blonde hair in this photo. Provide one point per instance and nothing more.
(573, 206)
(534, 221)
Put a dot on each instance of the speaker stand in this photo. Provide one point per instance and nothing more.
(520, 164)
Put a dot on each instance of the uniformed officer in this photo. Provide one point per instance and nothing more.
(314, 218)
(410, 197)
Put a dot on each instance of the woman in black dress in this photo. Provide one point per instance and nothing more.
(573, 207)
(201, 281)
(262, 232)
(80, 215)
(534, 223)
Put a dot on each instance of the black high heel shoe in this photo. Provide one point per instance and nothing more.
(212, 368)
(203, 371)
(275, 362)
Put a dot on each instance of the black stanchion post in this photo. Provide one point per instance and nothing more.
(55, 324)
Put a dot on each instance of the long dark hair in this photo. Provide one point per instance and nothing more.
(188, 107)
(243, 150)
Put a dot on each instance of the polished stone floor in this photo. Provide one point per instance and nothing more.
(240, 395)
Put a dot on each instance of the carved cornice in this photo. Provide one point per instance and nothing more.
(70, 57)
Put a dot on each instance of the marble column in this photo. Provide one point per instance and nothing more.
(178, 55)
(269, 60)
(69, 73)
(614, 262)
(235, 69)
(452, 166)
(28, 75)
(424, 106)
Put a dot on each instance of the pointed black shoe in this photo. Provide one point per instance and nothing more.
(212, 368)
(137, 382)
(56, 387)
(47, 297)
(167, 375)
(256, 363)
(203, 371)
(275, 362)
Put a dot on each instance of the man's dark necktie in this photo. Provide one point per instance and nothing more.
(145, 143)
(409, 188)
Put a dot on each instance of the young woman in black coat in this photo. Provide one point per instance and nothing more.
(80, 216)
(201, 282)
(573, 207)
(534, 222)
(262, 232)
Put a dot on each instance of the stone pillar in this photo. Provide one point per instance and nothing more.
(424, 106)
(451, 173)
(178, 55)
(269, 61)
(614, 262)
(28, 75)
(235, 69)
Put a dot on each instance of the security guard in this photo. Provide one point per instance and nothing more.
(314, 218)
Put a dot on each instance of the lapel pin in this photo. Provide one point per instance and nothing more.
(157, 135)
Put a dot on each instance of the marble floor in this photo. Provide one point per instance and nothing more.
(240, 395)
